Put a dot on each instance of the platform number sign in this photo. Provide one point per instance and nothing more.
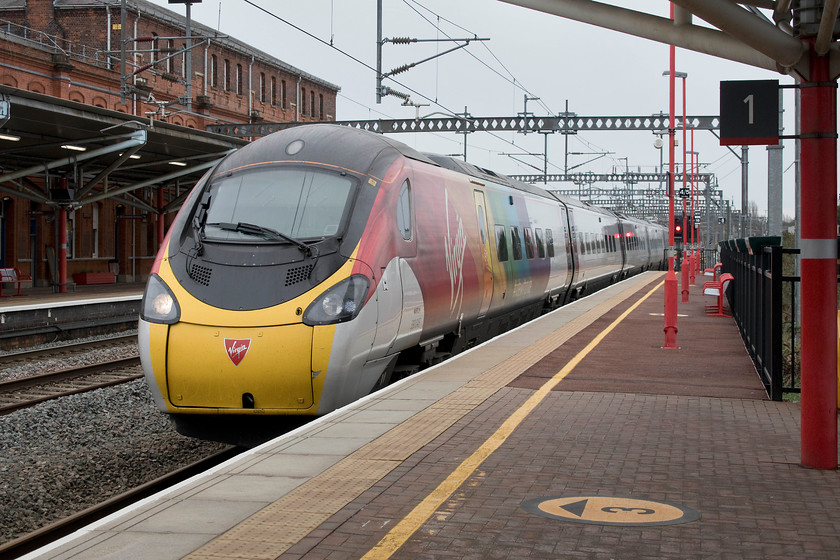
(749, 112)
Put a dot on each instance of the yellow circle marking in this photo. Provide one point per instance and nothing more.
(611, 510)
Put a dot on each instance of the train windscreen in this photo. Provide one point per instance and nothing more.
(298, 203)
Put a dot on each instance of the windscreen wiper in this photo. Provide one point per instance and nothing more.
(267, 233)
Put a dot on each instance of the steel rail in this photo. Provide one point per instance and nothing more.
(51, 533)
(44, 381)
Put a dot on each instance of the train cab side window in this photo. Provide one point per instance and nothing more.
(540, 243)
(549, 243)
(404, 211)
(501, 243)
(516, 242)
(529, 243)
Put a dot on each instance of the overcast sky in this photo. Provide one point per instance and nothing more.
(599, 72)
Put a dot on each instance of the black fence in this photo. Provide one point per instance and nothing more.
(763, 302)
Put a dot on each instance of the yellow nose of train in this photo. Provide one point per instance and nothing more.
(218, 361)
(240, 368)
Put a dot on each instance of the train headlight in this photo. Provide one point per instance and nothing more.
(159, 304)
(339, 304)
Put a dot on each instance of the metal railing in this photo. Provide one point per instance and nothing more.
(53, 44)
(763, 301)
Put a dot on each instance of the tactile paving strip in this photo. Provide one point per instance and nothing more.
(274, 529)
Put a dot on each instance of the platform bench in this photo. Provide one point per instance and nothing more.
(713, 272)
(717, 288)
(12, 276)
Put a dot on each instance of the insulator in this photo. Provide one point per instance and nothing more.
(403, 40)
(400, 69)
(395, 93)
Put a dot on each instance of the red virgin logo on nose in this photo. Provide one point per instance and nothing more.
(237, 348)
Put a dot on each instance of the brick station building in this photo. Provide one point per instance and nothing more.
(70, 49)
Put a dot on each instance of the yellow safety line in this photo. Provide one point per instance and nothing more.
(403, 530)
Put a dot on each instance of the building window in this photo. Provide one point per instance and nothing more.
(226, 77)
(312, 104)
(273, 90)
(170, 61)
(302, 101)
(321, 105)
(262, 87)
(283, 94)
(239, 79)
(214, 71)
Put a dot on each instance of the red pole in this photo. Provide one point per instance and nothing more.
(685, 266)
(818, 257)
(62, 250)
(694, 255)
(671, 277)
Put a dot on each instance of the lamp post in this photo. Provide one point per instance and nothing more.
(671, 277)
(695, 191)
(685, 265)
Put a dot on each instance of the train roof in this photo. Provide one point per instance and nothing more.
(461, 166)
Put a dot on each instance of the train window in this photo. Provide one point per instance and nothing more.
(516, 242)
(501, 243)
(549, 243)
(529, 243)
(302, 204)
(404, 211)
(482, 227)
(540, 243)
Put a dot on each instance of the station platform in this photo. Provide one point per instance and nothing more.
(574, 436)
(46, 295)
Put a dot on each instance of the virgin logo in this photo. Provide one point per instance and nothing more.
(237, 348)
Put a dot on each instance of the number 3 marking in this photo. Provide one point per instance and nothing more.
(616, 509)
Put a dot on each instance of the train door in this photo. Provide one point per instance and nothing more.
(487, 281)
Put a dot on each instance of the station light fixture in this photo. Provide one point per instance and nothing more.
(9, 137)
(74, 147)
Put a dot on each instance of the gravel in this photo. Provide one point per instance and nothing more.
(62, 456)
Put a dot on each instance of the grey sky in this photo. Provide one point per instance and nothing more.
(599, 72)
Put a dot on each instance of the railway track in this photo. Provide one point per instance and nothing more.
(68, 350)
(16, 394)
(59, 529)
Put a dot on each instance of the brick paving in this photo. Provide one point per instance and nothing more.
(690, 427)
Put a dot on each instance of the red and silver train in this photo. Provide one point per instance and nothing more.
(321, 263)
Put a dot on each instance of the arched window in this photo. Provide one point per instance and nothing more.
(312, 104)
(170, 62)
(273, 90)
(239, 79)
(226, 77)
(262, 87)
(302, 101)
(283, 94)
(214, 71)
(321, 106)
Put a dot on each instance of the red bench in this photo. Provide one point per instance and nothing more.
(12, 276)
(717, 288)
(713, 272)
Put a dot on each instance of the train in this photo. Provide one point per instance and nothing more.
(321, 263)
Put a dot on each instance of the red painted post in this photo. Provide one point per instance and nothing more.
(685, 266)
(671, 277)
(62, 250)
(694, 252)
(819, 265)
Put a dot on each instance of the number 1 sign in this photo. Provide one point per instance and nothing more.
(749, 112)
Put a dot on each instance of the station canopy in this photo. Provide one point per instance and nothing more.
(101, 153)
